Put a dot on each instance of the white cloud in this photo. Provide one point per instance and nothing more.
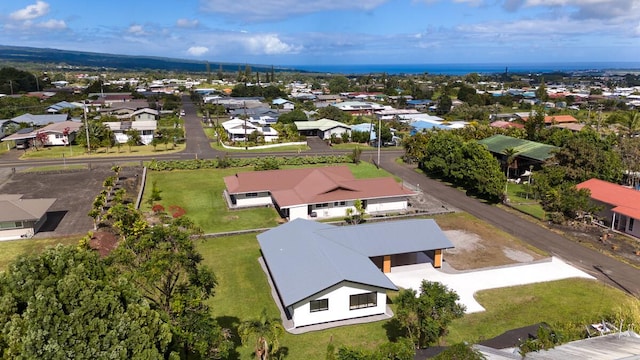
(40, 8)
(136, 30)
(269, 44)
(53, 24)
(186, 23)
(197, 50)
(264, 10)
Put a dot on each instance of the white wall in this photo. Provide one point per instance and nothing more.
(386, 205)
(263, 199)
(15, 234)
(337, 130)
(338, 296)
(636, 227)
(52, 140)
(296, 212)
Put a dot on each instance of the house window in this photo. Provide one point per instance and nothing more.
(324, 205)
(251, 195)
(11, 225)
(631, 220)
(59, 136)
(319, 305)
(365, 300)
(339, 203)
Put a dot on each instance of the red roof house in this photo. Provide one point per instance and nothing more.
(622, 204)
(315, 192)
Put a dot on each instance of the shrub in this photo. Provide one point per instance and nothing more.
(176, 211)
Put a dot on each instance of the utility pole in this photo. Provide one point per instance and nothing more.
(86, 128)
(379, 134)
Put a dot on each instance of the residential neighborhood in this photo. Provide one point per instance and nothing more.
(337, 212)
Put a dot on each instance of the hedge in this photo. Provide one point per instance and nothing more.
(225, 162)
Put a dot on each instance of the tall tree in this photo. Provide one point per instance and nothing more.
(444, 104)
(338, 84)
(535, 123)
(166, 268)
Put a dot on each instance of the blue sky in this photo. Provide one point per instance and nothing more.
(297, 32)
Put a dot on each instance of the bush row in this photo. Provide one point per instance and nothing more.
(225, 162)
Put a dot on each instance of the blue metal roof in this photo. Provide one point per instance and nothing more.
(306, 257)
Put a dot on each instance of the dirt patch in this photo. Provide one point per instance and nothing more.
(617, 245)
(478, 244)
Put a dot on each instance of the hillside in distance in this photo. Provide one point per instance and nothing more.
(91, 60)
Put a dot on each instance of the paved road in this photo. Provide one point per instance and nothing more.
(198, 145)
(599, 265)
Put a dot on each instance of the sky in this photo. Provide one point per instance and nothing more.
(325, 32)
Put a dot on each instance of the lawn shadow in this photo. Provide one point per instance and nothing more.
(394, 329)
(231, 323)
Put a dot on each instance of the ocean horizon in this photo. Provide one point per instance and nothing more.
(463, 69)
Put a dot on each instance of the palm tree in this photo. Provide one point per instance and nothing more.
(630, 123)
(510, 157)
(266, 330)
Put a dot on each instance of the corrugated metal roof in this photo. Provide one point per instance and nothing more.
(305, 257)
(524, 148)
(618, 346)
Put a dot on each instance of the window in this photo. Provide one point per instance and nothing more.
(365, 300)
(319, 305)
(339, 203)
(324, 205)
(251, 195)
(11, 225)
(631, 221)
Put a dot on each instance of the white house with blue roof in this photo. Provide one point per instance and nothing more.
(324, 273)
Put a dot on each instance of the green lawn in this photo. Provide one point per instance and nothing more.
(351, 146)
(10, 250)
(577, 302)
(243, 292)
(287, 148)
(518, 200)
(77, 151)
(199, 192)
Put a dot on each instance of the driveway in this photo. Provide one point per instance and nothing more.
(468, 283)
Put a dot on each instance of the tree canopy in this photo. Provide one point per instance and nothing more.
(63, 303)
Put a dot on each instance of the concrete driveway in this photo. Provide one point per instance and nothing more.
(468, 283)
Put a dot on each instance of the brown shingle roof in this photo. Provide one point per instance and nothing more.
(313, 185)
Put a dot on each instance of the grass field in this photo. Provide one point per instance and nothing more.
(199, 192)
(577, 302)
